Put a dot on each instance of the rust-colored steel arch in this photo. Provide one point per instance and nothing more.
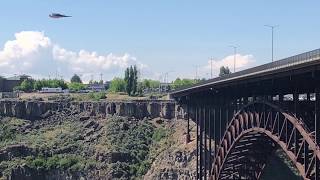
(252, 135)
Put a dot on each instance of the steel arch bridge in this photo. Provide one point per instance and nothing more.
(244, 117)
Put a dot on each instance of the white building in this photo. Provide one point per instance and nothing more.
(51, 90)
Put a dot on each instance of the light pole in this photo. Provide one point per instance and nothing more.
(160, 77)
(234, 58)
(196, 66)
(272, 28)
(211, 59)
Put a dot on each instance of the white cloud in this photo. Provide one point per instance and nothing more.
(20, 54)
(25, 44)
(242, 62)
(85, 61)
(31, 52)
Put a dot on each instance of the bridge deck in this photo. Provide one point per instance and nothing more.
(307, 59)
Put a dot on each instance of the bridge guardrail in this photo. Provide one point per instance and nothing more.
(282, 63)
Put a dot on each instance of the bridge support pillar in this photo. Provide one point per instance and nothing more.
(296, 101)
(317, 130)
(188, 138)
(201, 143)
(197, 140)
(205, 149)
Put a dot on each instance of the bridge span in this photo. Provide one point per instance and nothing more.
(243, 117)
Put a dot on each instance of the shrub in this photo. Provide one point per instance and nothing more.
(159, 134)
(97, 95)
(52, 162)
(143, 168)
(39, 162)
(67, 162)
(71, 162)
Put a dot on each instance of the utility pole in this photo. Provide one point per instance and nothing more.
(160, 83)
(234, 58)
(272, 28)
(101, 77)
(166, 79)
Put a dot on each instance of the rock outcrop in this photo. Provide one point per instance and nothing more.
(32, 110)
(178, 160)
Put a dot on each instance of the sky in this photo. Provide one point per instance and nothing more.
(177, 38)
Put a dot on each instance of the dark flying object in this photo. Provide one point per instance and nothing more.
(57, 15)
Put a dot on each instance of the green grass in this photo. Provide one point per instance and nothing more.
(61, 161)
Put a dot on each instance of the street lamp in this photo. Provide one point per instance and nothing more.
(160, 77)
(197, 67)
(211, 59)
(234, 58)
(272, 28)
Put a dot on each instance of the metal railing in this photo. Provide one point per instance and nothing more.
(283, 63)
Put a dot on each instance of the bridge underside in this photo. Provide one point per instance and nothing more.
(240, 123)
(248, 157)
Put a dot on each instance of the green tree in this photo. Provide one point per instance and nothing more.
(134, 80)
(146, 83)
(140, 88)
(50, 83)
(224, 71)
(76, 79)
(151, 84)
(180, 83)
(26, 85)
(117, 85)
(131, 80)
(38, 85)
(75, 86)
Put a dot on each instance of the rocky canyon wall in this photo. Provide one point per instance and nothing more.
(32, 110)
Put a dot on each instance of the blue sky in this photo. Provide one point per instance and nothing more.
(159, 36)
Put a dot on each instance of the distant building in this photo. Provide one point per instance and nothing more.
(7, 84)
(96, 87)
(51, 90)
